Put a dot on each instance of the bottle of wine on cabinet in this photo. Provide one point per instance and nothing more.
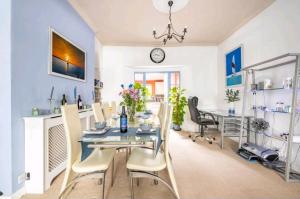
(123, 121)
(79, 103)
(64, 100)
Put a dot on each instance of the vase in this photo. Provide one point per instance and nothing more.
(131, 113)
(231, 110)
(176, 127)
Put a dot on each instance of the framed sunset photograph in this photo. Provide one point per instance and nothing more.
(66, 59)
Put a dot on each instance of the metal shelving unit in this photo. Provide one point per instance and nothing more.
(292, 59)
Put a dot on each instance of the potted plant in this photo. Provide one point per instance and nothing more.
(260, 125)
(178, 100)
(143, 94)
(231, 97)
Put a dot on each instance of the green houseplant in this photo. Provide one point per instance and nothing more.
(231, 97)
(143, 94)
(178, 100)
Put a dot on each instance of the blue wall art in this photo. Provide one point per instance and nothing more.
(233, 67)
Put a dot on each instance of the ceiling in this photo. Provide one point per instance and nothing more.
(130, 22)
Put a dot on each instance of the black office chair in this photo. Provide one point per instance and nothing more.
(200, 118)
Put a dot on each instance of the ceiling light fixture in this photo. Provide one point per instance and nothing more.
(170, 32)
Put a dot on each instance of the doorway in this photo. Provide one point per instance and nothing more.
(158, 83)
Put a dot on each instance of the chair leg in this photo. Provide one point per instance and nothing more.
(103, 186)
(155, 181)
(112, 172)
(131, 186)
(202, 131)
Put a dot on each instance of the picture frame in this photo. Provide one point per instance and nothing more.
(66, 59)
(233, 67)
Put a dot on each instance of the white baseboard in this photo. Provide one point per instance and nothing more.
(17, 195)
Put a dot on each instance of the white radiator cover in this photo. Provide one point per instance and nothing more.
(45, 149)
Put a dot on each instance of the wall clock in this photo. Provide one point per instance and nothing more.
(157, 55)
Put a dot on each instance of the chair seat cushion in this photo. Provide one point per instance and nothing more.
(205, 121)
(142, 159)
(98, 160)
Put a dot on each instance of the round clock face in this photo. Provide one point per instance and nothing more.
(157, 55)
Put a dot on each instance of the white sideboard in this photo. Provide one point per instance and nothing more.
(45, 148)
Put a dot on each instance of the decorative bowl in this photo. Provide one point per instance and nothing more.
(100, 125)
(146, 127)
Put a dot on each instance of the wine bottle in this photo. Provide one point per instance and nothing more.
(79, 103)
(123, 121)
(64, 100)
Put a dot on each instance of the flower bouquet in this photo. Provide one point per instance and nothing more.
(130, 97)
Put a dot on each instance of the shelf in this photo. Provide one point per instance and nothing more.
(296, 139)
(274, 111)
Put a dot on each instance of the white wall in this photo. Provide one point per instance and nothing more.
(274, 32)
(99, 58)
(198, 67)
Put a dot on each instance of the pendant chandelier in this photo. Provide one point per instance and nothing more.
(170, 32)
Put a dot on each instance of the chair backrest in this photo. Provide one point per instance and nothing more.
(72, 126)
(166, 150)
(163, 119)
(98, 112)
(192, 104)
(106, 111)
(161, 111)
(167, 129)
(114, 108)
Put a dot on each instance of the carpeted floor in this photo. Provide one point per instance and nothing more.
(203, 171)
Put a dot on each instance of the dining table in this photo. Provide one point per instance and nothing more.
(112, 137)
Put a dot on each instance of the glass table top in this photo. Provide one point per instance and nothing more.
(133, 135)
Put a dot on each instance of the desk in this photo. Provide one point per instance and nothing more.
(230, 125)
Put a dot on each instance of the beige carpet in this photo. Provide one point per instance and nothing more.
(203, 171)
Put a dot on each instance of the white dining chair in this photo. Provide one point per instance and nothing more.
(114, 108)
(144, 163)
(106, 111)
(94, 166)
(161, 111)
(98, 112)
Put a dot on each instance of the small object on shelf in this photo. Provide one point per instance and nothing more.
(253, 87)
(64, 100)
(51, 100)
(288, 83)
(261, 86)
(96, 82)
(57, 110)
(260, 124)
(79, 103)
(279, 107)
(35, 112)
(75, 94)
(288, 109)
(296, 139)
(267, 84)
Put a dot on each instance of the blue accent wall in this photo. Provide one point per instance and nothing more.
(31, 84)
(5, 98)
